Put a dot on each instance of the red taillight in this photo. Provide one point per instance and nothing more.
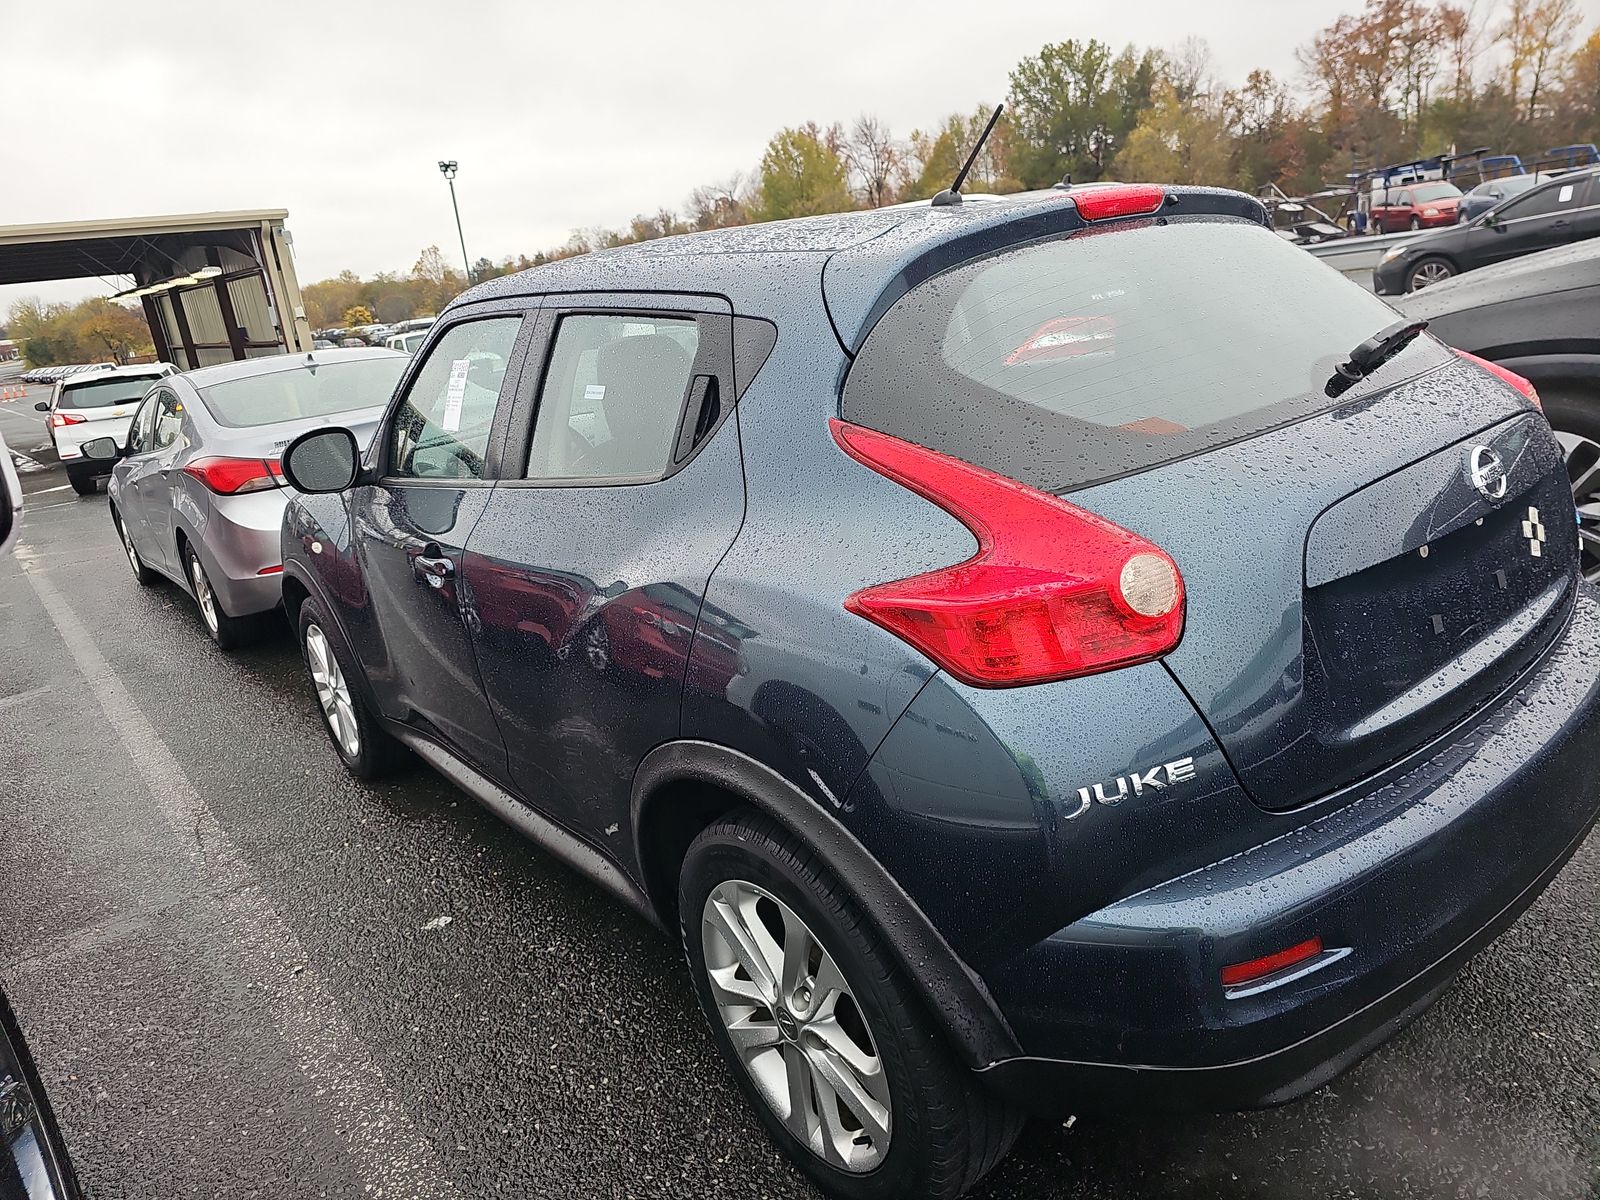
(277, 570)
(230, 476)
(1053, 591)
(1270, 964)
(1119, 200)
(59, 420)
(1505, 376)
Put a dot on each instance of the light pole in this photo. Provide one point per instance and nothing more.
(448, 170)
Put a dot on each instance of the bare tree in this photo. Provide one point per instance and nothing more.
(1462, 33)
(876, 160)
(1536, 35)
(718, 205)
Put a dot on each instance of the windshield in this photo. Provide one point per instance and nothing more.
(104, 393)
(306, 390)
(1435, 191)
(1090, 356)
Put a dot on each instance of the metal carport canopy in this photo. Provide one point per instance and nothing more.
(163, 248)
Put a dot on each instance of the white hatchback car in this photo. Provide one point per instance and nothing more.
(97, 404)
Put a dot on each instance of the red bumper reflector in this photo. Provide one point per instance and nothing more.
(1120, 200)
(1505, 376)
(277, 570)
(1270, 964)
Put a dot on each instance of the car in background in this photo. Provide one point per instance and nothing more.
(95, 404)
(10, 499)
(196, 491)
(1130, 682)
(408, 342)
(352, 343)
(1562, 210)
(1536, 317)
(1415, 206)
(412, 323)
(322, 343)
(1491, 192)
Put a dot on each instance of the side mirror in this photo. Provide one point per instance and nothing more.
(1490, 221)
(42, 406)
(102, 449)
(322, 461)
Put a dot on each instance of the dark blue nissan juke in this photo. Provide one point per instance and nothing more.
(1057, 654)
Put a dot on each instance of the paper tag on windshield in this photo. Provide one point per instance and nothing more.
(455, 392)
(1566, 194)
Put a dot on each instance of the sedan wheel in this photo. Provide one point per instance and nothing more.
(202, 594)
(1583, 469)
(333, 693)
(793, 1019)
(1428, 272)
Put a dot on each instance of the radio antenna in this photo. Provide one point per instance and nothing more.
(952, 194)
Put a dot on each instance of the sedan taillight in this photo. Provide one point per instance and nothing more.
(231, 476)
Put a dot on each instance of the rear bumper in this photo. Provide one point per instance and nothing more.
(1125, 1009)
(242, 538)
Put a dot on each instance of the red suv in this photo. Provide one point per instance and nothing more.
(1420, 206)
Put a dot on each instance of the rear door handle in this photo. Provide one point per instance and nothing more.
(434, 566)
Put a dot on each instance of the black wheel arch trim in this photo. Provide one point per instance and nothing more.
(956, 996)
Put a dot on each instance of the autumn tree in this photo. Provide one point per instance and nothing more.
(802, 174)
(933, 159)
(1536, 34)
(1177, 141)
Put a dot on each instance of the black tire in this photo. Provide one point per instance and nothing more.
(377, 752)
(228, 632)
(1433, 263)
(83, 484)
(1575, 410)
(945, 1131)
(142, 574)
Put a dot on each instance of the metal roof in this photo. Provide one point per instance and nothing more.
(118, 245)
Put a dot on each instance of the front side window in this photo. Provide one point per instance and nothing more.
(141, 432)
(441, 429)
(169, 420)
(613, 397)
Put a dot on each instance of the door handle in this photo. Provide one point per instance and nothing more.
(434, 566)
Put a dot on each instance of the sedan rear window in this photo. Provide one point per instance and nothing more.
(1066, 362)
(105, 393)
(307, 390)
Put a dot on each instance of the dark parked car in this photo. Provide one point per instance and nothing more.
(33, 1158)
(1537, 317)
(1490, 192)
(1032, 670)
(1566, 209)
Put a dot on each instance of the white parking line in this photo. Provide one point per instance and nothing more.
(394, 1159)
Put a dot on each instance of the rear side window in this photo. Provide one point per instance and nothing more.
(106, 393)
(1067, 362)
(1561, 195)
(613, 396)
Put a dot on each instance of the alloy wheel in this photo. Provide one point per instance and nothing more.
(127, 546)
(1583, 469)
(333, 693)
(202, 592)
(795, 1026)
(1429, 273)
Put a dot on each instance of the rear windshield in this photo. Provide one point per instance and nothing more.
(312, 390)
(1066, 362)
(105, 393)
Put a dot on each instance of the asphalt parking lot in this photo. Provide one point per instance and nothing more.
(245, 974)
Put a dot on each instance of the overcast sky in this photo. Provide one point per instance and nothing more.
(561, 115)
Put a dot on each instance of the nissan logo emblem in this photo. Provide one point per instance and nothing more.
(1487, 471)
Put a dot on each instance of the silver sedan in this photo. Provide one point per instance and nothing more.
(197, 493)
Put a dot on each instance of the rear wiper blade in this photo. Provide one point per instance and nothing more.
(1373, 353)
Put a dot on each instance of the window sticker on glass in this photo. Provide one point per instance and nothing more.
(594, 391)
(1566, 194)
(455, 393)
